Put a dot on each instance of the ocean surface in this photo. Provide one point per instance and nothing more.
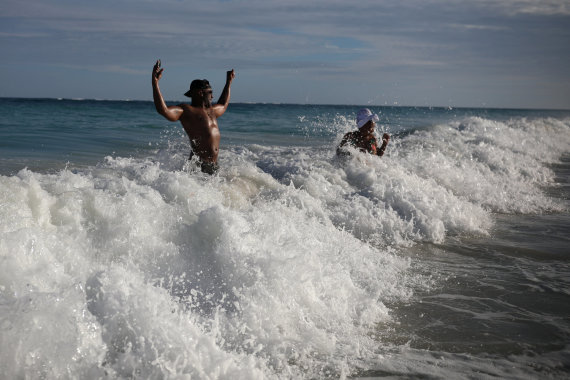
(448, 258)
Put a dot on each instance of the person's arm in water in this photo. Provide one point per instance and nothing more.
(224, 99)
(172, 113)
(339, 150)
(385, 139)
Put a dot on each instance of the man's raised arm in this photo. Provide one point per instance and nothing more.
(170, 113)
(224, 99)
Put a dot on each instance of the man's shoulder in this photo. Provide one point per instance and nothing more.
(190, 109)
(353, 137)
(349, 135)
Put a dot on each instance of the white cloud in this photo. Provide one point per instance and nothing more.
(23, 35)
(536, 7)
(479, 27)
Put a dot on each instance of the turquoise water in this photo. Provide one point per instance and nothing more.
(49, 133)
(446, 258)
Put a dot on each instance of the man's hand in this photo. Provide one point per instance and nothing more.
(230, 75)
(385, 138)
(157, 71)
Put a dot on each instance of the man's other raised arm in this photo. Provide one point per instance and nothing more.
(224, 99)
(172, 113)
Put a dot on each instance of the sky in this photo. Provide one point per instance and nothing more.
(483, 53)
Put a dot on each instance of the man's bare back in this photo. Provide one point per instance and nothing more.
(199, 118)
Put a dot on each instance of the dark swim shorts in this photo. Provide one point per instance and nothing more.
(209, 167)
(205, 167)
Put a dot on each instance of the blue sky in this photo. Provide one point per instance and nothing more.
(504, 53)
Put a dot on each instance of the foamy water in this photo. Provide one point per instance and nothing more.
(287, 264)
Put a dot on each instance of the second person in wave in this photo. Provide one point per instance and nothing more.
(364, 138)
(199, 118)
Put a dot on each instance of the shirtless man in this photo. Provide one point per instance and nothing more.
(364, 138)
(199, 119)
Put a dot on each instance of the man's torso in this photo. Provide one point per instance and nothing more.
(201, 127)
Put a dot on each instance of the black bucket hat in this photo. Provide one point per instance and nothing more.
(197, 84)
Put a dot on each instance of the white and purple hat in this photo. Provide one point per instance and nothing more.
(364, 116)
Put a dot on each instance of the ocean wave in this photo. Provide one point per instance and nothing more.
(280, 266)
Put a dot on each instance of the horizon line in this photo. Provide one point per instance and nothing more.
(295, 104)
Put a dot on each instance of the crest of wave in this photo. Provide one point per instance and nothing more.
(501, 166)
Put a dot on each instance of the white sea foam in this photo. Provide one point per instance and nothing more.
(500, 166)
(280, 266)
(129, 269)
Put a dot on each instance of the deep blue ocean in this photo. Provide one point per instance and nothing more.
(447, 258)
